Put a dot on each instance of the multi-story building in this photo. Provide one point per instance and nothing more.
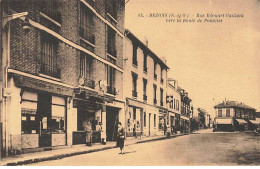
(145, 85)
(186, 110)
(65, 70)
(174, 105)
(232, 115)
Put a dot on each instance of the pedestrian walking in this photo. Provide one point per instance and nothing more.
(121, 138)
(88, 130)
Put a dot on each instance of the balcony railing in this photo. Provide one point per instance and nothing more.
(155, 76)
(145, 97)
(112, 51)
(50, 8)
(154, 101)
(134, 93)
(111, 10)
(111, 90)
(52, 71)
(87, 35)
(89, 83)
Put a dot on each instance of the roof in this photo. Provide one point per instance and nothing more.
(129, 34)
(234, 104)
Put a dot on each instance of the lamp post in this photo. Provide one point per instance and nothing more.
(5, 92)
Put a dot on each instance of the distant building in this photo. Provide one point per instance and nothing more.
(174, 105)
(203, 118)
(232, 115)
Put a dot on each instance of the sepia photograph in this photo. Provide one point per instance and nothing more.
(130, 83)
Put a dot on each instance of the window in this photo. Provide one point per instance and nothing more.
(111, 42)
(162, 75)
(178, 105)
(220, 113)
(134, 84)
(111, 80)
(144, 89)
(111, 9)
(145, 61)
(174, 104)
(154, 118)
(86, 24)
(155, 75)
(135, 62)
(161, 96)
(134, 113)
(50, 8)
(86, 70)
(154, 94)
(144, 119)
(228, 113)
(48, 61)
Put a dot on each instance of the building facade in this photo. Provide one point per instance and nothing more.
(174, 105)
(145, 87)
(232, 115)
(186, 111)
(65, 70)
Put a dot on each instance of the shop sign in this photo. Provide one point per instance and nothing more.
(22, 81)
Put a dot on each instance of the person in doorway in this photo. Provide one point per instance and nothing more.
(121, 138)
(102, 134)
(88, 129)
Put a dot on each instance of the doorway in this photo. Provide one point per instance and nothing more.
(44, 119)
(111, 123)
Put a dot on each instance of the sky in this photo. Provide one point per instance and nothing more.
(211, 61)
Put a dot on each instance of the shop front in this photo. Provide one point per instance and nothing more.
(97, 108)
(43, 113)
(134, 118)
(162, 125)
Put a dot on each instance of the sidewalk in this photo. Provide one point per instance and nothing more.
(72, 151)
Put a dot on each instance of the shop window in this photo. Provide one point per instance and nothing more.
(29, 125)
(161, 123)
(57, 122)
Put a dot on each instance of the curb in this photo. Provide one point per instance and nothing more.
(60, 156)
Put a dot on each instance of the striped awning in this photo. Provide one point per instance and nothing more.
(241, 121)
(255, 122)
(224, 121)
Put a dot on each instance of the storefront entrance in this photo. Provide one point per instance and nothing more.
(111, 123)
(43, 118)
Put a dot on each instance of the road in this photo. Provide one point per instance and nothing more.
(203, 148)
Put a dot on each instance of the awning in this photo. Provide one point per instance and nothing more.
(254, 122)
(241, 121)
(224, 121)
